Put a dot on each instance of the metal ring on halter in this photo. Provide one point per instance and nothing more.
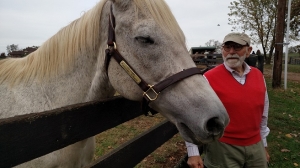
(115, 46)
(153, 92)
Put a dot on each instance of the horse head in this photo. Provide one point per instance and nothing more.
(152, 44)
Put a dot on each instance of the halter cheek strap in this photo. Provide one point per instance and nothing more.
(151, 92)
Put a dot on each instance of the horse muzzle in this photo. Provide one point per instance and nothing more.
(212, 129)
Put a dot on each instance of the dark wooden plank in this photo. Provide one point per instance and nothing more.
(133, 151)
(214, 61)
(26, 137)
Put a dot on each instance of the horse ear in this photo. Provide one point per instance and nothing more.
(122, 4)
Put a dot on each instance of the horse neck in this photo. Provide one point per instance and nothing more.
(100, 85)
(89, 72)
(97, 83)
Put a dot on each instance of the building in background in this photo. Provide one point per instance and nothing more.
(22, 53)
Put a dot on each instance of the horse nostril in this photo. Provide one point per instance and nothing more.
(214, 126)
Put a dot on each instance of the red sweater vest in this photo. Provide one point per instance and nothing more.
(244, 104)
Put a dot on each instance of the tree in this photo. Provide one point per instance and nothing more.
(259, 18)
(295, 49)
(277, 68)
(2, 55)
(295, 18)
(12, 47)
(214, 43)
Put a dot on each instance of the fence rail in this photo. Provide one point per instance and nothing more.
(212, 60)
(23, 138)
(294, 61)
(209, 59)
(132, 152)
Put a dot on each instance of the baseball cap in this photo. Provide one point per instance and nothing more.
(240, 38)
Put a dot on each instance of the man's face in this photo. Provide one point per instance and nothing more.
(234, 54)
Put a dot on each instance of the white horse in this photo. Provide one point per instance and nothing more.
(70, 68)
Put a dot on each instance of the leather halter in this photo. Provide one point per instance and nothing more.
(151, 92)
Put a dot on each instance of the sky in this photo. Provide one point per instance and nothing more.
(32, 22)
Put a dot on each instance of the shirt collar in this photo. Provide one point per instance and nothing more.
(247, 68)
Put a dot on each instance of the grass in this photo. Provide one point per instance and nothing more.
(116, 136)
(294, 54)
(284, 118)
(290, 68)
(284, 123)
(165, 156)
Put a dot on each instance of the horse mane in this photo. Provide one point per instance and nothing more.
(57, 54)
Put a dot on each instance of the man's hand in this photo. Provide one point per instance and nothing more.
(267, 154)
(195, 162)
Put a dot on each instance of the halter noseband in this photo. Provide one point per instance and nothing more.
(151, 92)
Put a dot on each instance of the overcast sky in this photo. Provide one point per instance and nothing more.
(32, 22)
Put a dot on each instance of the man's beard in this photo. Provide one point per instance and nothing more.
(234, 61)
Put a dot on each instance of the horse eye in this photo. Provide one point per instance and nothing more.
(146, 40)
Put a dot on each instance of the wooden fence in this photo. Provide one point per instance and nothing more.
(294, 61)
(25, 137)
(29, 136)
(211, 60)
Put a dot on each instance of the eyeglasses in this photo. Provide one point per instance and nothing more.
(236, 47)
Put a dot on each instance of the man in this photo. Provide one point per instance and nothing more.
(242, 90)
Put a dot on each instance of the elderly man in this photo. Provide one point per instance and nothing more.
(243, 92)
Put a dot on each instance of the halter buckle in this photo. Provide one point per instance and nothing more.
(115, 46)
(151, 93)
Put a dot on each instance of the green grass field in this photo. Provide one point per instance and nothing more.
(284, 118)
(284, 122)
(294, 54)
(290, 68)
